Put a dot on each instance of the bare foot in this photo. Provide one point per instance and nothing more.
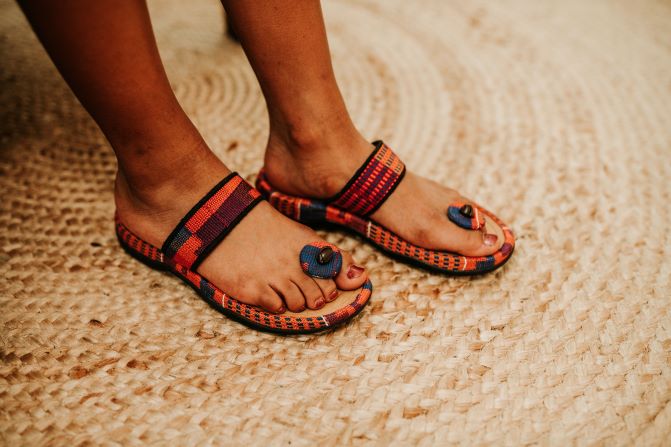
(416, 210)
(257, 262)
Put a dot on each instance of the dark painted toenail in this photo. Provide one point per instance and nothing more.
(490, 239)
(466, 211)
(333, 295)
(354, 271)
(325, 255)
(281, 310)
(319, 303)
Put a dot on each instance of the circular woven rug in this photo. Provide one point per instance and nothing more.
(560, 111)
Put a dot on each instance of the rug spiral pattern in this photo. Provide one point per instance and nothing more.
(560, 113)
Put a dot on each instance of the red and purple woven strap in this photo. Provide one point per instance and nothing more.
(373, 183)
(210, 220)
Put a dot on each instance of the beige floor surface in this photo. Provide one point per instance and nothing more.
(560, 111)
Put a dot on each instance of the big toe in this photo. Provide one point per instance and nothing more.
(483, 242)
(352, 275)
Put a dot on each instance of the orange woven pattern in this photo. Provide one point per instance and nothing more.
(373, 182)
(210, 220)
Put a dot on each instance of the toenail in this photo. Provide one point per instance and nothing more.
(301, 309)
(333, 295)
(281, 310)
(319, 303)
(490, 239)
(354, 271)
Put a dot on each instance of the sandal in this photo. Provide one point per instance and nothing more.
(207, 224)
(366, 191)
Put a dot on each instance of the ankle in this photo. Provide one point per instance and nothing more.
(166, 187)
(313, 129)
(315, 159)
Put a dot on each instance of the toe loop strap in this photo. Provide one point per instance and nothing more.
(465, 215)
(321, 260)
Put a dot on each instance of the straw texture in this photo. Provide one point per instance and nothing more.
(560, 113)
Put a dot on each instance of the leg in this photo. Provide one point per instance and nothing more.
(314, 147)
(106, 52)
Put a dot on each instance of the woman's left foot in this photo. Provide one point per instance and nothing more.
(416, 210)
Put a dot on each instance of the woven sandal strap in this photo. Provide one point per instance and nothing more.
(210, 220)
(373, 183)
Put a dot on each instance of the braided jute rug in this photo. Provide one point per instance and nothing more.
(555, 114)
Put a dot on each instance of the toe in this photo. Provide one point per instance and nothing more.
(269, 300)
(468, 242)
(328, 288)
(314, 299)
(352, 275)
(292, 296)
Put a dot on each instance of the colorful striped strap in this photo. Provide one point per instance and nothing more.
(213, 217)
(373, 183)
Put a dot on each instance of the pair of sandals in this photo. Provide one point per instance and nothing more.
(216, 214)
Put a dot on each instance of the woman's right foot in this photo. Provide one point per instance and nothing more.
(257, 262)
(319, 167)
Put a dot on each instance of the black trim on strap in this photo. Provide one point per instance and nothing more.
(378, 144)
(194, 210)
(223, 234)
(190, 246)
(391, 191)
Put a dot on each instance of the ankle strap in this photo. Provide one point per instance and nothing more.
(210, 220)
(373, 183)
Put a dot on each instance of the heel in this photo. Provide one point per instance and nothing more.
(139, 249)
(149, 262)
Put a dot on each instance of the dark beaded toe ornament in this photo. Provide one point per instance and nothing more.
(465, 215)
(325, 255)
(321, 260)
(466, 211)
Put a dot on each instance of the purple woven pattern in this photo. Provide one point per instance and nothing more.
(210, 221)
(373, 183)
